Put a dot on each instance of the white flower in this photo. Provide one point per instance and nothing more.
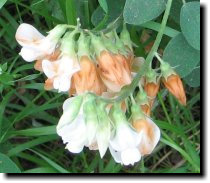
(71, 126)
(61, 71)
(124, 144)
(35, 45)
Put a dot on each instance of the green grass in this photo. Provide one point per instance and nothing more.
(28, 114)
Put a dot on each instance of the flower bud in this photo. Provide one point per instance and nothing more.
(173, 82)
(151, 86)
(143, 101)
(175, 86)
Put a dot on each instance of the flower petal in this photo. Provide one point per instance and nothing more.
(27, 35)
(29, 55)
(130, 156)
(150, 137)
(116, 155)
(49, 68)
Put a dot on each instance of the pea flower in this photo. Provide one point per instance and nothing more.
(82, 124)
(124, 143)
(60, 72)
(114, 70)
(150, 133)
(35, 46)
(71, 126)
(151, 86)
(87, 78)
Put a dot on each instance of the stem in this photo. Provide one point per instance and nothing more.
(183, 1)
(125, 92)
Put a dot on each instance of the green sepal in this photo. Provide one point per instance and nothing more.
(120, 45)
(109, 44)
(89, 109)
(142, 98)
(83, 46)
(151, 76)
(97, 44)
(125, 37)
(68, 44)
(136, 112)
(57, 32)
(166, 70)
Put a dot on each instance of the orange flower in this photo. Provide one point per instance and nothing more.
(150, 135)
(151, 89)
(174, 84)
(88, 79)
(114, 71)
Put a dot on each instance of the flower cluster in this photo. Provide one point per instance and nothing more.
(86, 66)
(99, 128)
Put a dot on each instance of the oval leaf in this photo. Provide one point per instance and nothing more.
(104, 5)
(115, 9)
(193, 79)
(181, 55)
(190, 23)
(140, 11)
(7, 165)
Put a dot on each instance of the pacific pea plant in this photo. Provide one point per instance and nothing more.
(161, 31)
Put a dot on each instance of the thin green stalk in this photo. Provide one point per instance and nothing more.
(164, 109)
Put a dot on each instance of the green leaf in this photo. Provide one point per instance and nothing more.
(104, 5)
(140, 11)
(179, 54)
(47, 130)
(52, 163)
(193, 79)
(7, 165)
(42, 170)
(71, 12)
(176, 9)
(115, 9)
(2, 2)
(190, 23)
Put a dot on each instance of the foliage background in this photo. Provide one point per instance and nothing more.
(28, 114)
